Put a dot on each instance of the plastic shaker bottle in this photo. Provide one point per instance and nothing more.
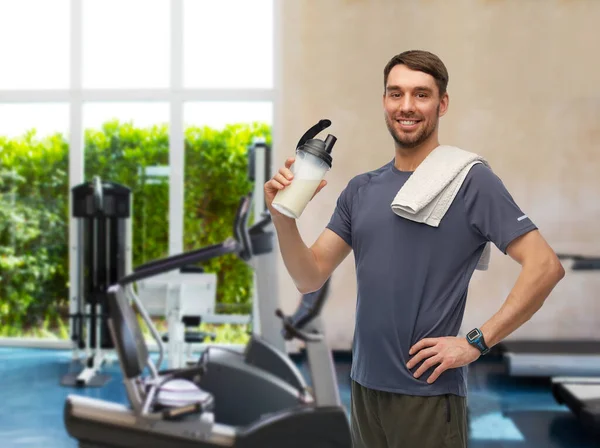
(313, 160)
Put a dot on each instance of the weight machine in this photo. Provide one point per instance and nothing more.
(102, 257)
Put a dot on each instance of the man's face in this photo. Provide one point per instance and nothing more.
(412, 106)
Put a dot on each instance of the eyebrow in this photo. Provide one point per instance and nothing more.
(393, 88)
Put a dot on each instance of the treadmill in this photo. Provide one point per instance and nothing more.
(581, 394)
(555, 358)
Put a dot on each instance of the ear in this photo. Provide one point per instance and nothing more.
(444, 103)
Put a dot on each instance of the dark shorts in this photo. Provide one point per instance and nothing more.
(389, 420)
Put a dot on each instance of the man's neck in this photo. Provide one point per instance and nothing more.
(410, 159)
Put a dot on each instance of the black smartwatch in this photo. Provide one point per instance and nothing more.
(475, 338)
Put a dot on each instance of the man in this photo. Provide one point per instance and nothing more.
(409, 367)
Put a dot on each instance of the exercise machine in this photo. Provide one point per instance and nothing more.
(581, 394)
(252, 241)
(222, 401)
(555, 358)
(187, 297)
(551, 358)
(103, 256)
(265, 298)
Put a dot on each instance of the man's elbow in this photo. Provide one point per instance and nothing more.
(309, 287)
(315, 279)
(553, 268)
(558, 269)
(547, 271)
(304, 290)
(313, 284)
(545, 267)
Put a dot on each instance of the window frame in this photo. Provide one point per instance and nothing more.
(176, 95)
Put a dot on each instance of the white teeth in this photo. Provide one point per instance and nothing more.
(408, 123)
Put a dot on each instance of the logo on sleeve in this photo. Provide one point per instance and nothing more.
(521, 218)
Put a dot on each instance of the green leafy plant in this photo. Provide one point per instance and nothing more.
(34, 217)
(33, 232)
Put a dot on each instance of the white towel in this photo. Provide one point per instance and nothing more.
(428, 193)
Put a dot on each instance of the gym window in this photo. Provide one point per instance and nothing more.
(78, 72)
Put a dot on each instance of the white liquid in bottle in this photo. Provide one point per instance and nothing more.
(293, 199)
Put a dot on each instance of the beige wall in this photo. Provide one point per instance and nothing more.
(524, 92)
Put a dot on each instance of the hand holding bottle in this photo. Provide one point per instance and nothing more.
(282, 180)
(302, 177)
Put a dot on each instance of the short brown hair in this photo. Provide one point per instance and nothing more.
(422, 61)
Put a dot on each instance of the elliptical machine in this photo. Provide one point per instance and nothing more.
(164, 295)
(225, 400)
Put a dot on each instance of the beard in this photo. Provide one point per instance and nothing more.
(414, 139)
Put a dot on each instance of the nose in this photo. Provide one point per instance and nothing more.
(406, 105)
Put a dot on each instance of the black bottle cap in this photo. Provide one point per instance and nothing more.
(318, 149)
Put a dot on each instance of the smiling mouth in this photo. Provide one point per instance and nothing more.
(408, 123)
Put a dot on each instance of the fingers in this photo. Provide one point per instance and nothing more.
(284, 177)
(420, 356)
(427, 365)
(437, 372)
(427, 342)
(286, 173)
(273, 185)
(281, 180)
(277, 183)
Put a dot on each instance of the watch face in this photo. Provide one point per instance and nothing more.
(472, 334)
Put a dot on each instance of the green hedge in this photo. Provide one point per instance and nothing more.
(34, 197)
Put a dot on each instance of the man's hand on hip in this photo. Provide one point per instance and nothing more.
(449, 352)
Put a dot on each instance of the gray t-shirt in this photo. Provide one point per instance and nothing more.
(412, 278)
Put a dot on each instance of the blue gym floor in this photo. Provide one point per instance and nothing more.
(504, 412)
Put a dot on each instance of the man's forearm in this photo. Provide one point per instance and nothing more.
(534, 284)
(299, 260)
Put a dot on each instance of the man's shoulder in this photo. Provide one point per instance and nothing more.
(364, 178)
(482, 177)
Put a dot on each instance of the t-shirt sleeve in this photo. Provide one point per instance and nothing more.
(491, 210)
(341, 220)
